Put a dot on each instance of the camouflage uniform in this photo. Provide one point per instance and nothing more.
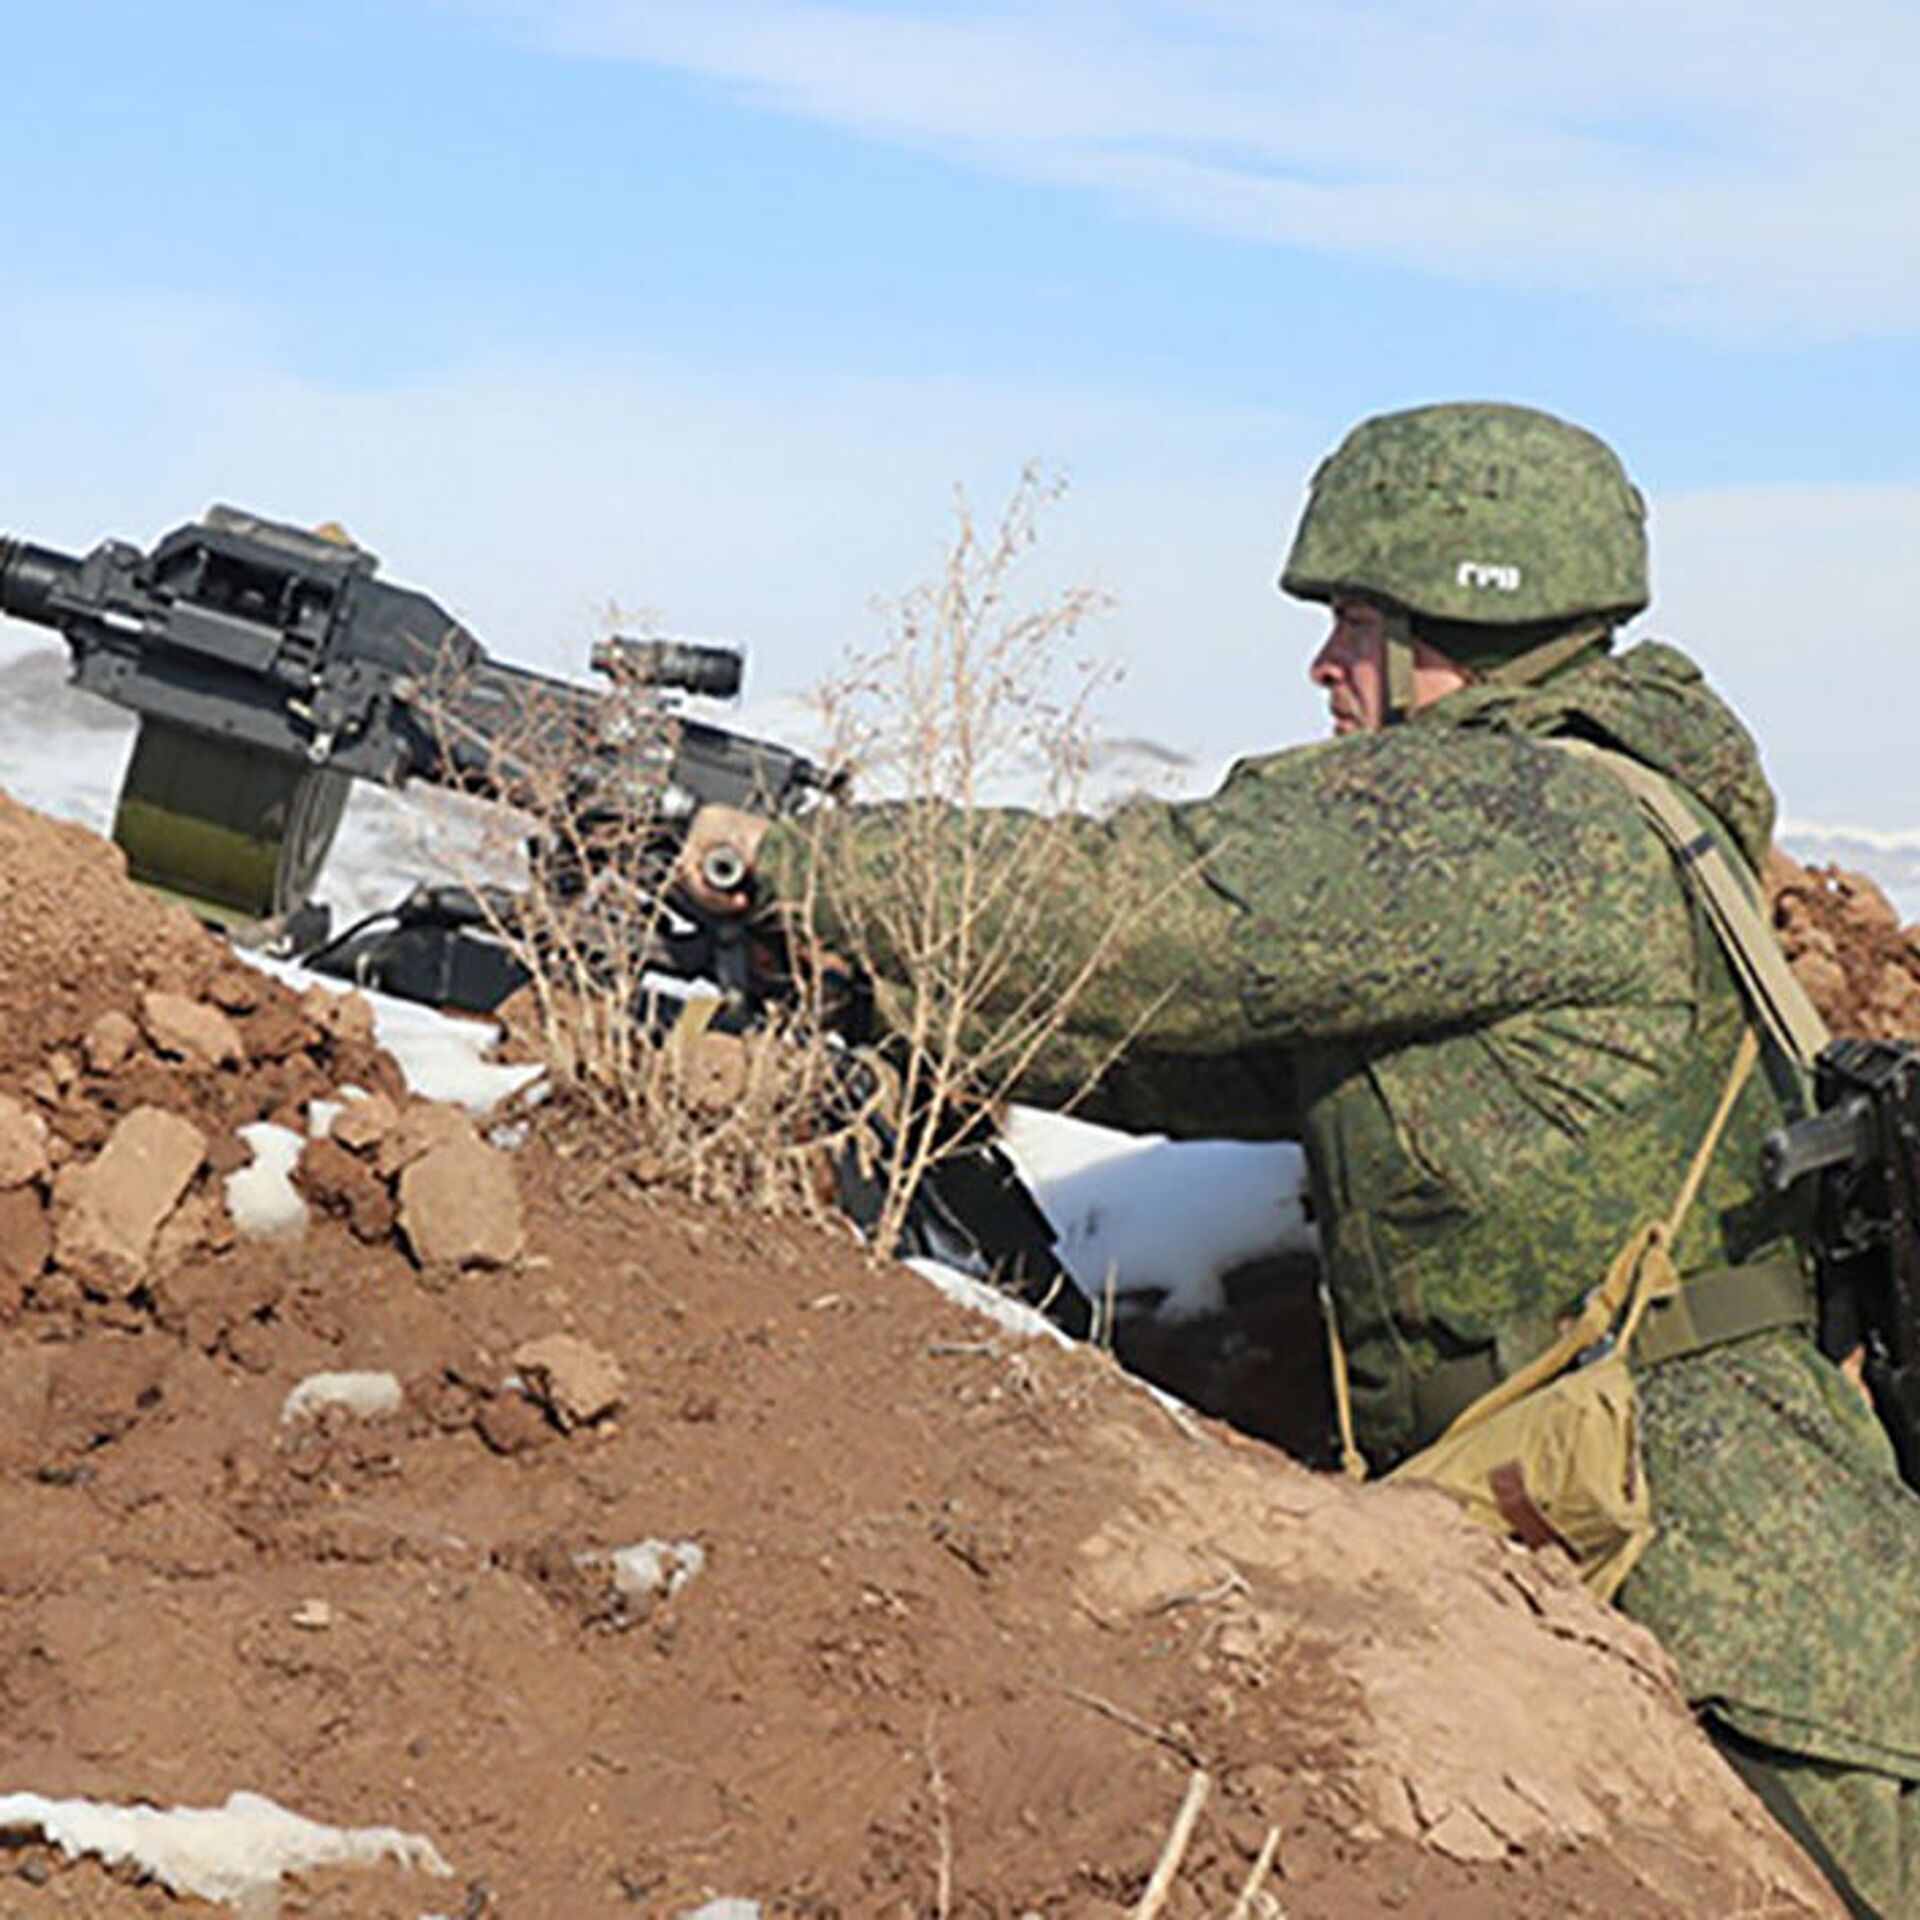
(1463, 969)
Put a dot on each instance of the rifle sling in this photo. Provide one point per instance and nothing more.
(1774, 994)
(1722, 1304)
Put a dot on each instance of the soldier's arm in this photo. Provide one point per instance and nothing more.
(1384, 883)
(1415, 880)
(1103, 929)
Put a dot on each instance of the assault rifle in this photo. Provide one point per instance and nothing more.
(1862, 1151)
(270, 667)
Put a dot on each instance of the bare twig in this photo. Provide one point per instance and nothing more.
(1243, 1908)
(1164, 1736)
(943, 1829)
(954, 905)
(1232, 1582)
(1179, 1836)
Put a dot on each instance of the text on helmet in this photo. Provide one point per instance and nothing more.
(1494, 574)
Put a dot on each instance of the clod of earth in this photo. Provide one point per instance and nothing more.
(108, 1210)
(573, 1380)
(23, 1144)
(190, 1030)
(109, 1041)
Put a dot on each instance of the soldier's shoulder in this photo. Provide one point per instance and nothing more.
(1438, 763)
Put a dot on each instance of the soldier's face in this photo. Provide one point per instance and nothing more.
(1351, 667)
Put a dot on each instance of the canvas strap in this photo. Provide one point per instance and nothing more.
(1778, 998)
(1537, 663)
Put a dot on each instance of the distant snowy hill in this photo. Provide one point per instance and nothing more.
(1892, 857)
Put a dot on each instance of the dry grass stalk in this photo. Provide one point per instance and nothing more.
(943, 1829)
(1251, 1894)
(732, 1119)
(972, 701)
(1179, 1837)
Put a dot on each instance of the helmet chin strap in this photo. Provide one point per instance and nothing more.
(1542, 662)
(1398, 704)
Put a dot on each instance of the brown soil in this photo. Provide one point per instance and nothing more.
(973, 1611)
(1844, 937)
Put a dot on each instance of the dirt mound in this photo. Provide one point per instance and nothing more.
(674, 1556)
(1860, 967)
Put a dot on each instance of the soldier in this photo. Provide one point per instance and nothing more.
(1457, 961)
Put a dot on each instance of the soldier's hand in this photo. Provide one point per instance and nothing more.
(715, 867)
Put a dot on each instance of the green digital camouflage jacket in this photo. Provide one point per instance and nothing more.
(1461, 967)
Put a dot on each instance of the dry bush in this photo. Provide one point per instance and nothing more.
(974, 699)
(583, 778)
(977, 698)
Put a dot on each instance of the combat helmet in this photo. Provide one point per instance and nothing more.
(1507, 537)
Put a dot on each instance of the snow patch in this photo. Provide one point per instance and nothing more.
(653, 1569)
(234, 1855)
(371, 1396)
(989, 1302)
(1159, 1219)
(442, 1058)
(261, 1197)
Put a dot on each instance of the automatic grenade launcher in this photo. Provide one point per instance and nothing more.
(270, 667)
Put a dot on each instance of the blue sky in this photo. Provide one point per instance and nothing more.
(706, 307)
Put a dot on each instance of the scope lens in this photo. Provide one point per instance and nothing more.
(684, 665)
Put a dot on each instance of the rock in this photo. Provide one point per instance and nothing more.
(341, 1182)
(360, 1125)
(340, 1016)
(423, 1126)
(571, 1378)
(25, 1241)
(23, 1144)
(107, 1211)
(368, 1396)
(190, 1030)
(109, 1041)
(460, 1206)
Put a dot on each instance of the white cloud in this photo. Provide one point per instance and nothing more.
(1740, 165)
